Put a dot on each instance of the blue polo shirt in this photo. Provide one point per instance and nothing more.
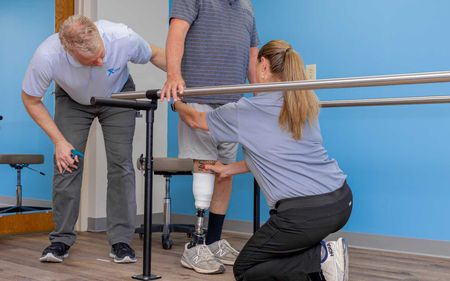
(282, 166)
(52, 62)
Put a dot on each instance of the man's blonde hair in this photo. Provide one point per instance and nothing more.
(79, 33)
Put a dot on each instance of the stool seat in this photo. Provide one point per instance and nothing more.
(168, 167)
(19, 162)
(21, 159)
(172, 166)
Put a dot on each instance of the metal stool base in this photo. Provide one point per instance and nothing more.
(22, 209)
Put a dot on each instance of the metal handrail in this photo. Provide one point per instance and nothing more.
(386, 101)
(364, 81)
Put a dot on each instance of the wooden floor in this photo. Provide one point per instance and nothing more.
(89, 260)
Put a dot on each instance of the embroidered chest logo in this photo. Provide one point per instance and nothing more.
(112, 70)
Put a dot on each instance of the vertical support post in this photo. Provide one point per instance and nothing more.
(19, 188)
(148, 208)
(19, 168)
(167, 211)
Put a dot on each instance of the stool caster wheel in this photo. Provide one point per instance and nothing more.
(166, 242)
(167, 245)
(189, 235)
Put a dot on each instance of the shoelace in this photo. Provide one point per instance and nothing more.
(204, 253)
(59, 248)
(226, 247)
(122, 248)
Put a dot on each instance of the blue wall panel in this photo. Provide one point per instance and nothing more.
(396, 157)
(24, 24)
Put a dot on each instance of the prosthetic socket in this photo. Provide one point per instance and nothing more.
(203, 187)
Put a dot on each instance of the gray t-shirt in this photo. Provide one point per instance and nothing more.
(217, 44)
(283, 167)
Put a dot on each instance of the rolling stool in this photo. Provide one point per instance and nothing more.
(18, 162)
(168, 167)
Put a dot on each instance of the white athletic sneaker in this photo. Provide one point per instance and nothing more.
(223, 251)
(200, 259)
(334, 260)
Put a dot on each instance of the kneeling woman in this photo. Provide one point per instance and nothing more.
(282, 144)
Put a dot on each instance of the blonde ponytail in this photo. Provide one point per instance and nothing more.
(299, 106)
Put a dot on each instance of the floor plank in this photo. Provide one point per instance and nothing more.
(89, 260)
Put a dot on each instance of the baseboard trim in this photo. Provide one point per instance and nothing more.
(6, 201)
(99, 224)
(424, 247)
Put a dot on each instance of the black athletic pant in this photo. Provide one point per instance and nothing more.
(287, 248)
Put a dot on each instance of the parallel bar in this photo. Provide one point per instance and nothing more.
(135, 104)
(142, 104)
(386, 101)
(365, 81)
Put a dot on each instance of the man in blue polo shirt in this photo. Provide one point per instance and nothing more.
(210, 42)
(87, 59)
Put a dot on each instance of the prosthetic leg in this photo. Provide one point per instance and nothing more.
(203, 187)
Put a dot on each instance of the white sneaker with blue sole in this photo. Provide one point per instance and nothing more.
(334, 260)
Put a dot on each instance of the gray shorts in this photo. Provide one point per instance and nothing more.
(198, 144)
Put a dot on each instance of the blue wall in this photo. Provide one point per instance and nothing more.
(396, 157)
(24, 24)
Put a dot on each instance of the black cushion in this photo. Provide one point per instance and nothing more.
(21, 158)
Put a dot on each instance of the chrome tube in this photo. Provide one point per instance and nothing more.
(386, 101)
(364, 81)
